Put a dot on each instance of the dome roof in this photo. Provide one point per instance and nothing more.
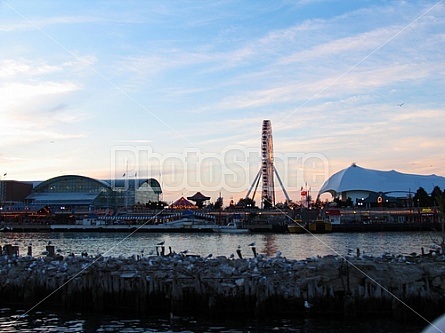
(355, 178)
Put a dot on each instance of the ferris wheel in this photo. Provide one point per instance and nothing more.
(267, 170)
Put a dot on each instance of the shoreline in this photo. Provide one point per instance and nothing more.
(354, 286)
(198, 228)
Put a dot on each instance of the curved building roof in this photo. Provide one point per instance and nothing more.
(71, 183)
(135, 183)
(356, 178)
(79, 190)
(75, 183)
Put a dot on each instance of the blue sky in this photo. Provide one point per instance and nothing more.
(178, 90)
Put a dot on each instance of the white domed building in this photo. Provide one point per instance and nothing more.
(359, 184)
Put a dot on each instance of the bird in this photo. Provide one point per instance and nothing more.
(307, 305)
(173, 317)
(400, 104)
(238, 251)
(160, 243)
(252, 244)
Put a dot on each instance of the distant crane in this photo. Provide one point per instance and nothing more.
(267, 170)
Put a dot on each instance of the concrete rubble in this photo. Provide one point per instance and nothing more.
(399, 286)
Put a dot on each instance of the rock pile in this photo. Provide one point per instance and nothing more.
(181, 284)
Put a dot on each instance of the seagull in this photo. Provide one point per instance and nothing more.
(307, 305)
(173, 317)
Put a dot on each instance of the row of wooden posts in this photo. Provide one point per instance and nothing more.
(14, 250)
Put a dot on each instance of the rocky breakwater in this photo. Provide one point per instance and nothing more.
(184, 284)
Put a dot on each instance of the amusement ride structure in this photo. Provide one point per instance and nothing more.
(267, 170)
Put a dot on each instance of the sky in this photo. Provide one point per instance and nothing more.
(178, 90)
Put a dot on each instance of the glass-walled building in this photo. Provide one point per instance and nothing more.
(74, 193)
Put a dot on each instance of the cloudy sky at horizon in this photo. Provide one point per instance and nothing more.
(178, 90)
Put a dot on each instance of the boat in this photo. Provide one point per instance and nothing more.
(297, 227)
(319, 226)
(187, 221)
(232, 228)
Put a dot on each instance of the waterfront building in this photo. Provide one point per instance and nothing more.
(73, 193)
(14, 191)
(366, 185)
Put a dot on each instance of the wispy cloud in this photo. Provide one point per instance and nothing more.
(205, 75)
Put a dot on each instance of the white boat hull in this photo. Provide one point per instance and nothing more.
(231, 230)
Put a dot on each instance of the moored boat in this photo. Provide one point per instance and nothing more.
(319, 226)
(297, 227)
(232, 228)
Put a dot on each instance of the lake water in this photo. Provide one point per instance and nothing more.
(78, 322)
(292, 246)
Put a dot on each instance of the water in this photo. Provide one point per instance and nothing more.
(78, 322)
(292, 246)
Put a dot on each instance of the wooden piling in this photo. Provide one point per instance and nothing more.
(50, 250)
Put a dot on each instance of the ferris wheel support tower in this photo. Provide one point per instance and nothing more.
(267, 170)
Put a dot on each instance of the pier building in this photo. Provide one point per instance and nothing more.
(73, 194)
(12, 190)
(364, 185)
